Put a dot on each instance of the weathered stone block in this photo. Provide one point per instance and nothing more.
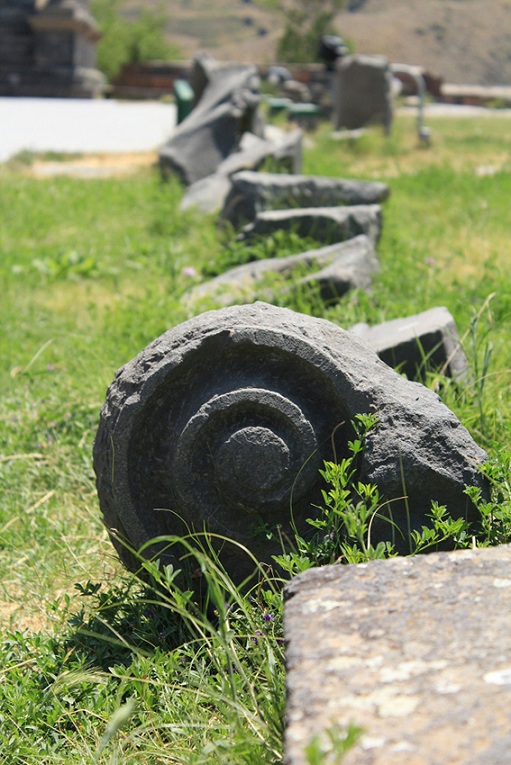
(363, 92)
(417, 344)
(254, 192)
(415, 651)
(213, 130)
(341, 267)
(224, 421)
(324, 224)
(283, 149)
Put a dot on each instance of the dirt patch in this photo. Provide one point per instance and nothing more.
(16, 617)
(94, 165)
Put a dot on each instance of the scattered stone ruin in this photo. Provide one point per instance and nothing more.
(227, 100)
(227, 180)
(252, 193)
(48, 52)
(223, 423)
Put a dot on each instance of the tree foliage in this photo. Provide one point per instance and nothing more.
(125, 41)
(305, 22)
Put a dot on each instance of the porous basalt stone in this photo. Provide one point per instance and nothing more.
(324, 224)
(412, 651)
(253, 192)
(336, 269)
(213, 129)
(223, 422)
(415, 345)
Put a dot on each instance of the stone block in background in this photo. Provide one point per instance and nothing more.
(417, 344)
(282, 148)
(363, 92)
(49, 51)
(324, 224)
(415, 651)
(212, 131)
(254, 192)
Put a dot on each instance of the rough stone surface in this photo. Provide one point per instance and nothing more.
(415, 651)
(253, 192)
(363, 92)
(282, 148)
(48, 51)
(324, 224)
(227, 109)
(341, 267)
(225, 420)
(416, 344)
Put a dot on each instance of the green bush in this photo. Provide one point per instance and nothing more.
(305, 23)
(130, 42)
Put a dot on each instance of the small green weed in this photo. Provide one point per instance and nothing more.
(330, 747)
(278, 245)
(66, 265)
(343, 528)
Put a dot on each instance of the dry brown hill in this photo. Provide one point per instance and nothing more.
(464, 41)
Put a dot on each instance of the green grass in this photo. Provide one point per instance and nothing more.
(96, 667)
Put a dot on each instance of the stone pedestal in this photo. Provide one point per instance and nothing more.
(50, 52)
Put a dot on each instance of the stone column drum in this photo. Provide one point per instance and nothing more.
(223, 423)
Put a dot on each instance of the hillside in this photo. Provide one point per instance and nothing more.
(464, 41)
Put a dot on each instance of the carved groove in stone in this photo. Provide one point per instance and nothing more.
(223, 424)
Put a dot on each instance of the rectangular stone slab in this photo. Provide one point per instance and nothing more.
(415, 651)
(415, 344)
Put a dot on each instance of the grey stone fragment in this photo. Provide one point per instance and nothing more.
(363, 92)
(324, 224)
(342, 267)
(213, 130)
(417, 344)
(203, 66)
(296, 91)
(253, 192)
(415, 651)
(282, 148)
(279, 388)
(207, 194)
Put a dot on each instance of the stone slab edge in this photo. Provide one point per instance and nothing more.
(415, 651)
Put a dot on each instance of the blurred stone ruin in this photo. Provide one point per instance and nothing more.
(49, 50)
(219, 151)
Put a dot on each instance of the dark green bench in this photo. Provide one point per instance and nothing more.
(183, 93)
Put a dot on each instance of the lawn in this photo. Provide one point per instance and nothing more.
(94, 666)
